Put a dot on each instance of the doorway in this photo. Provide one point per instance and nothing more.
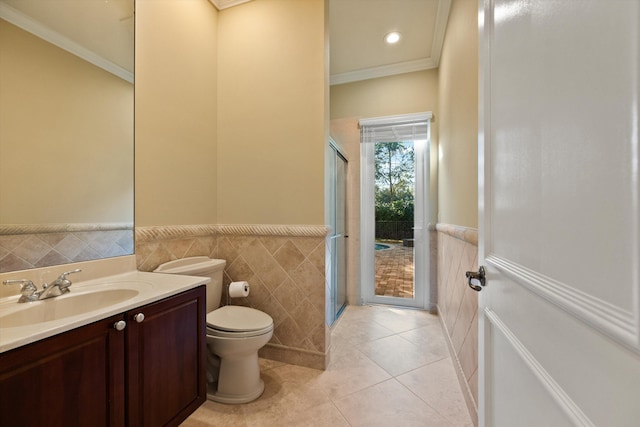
(394, 208)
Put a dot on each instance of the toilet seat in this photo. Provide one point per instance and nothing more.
(212, 332)
(238, 322)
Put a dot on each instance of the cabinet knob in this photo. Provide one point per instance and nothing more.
(138, 317)
(120, 325)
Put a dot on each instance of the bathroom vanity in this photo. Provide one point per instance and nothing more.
(137, 362)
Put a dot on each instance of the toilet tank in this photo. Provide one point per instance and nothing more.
(199, 266)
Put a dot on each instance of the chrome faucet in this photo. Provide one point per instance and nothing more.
(58, 287)
(29, 292)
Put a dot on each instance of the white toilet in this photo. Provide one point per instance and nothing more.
(234, 335)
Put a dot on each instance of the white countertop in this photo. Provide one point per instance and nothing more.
(151, 287)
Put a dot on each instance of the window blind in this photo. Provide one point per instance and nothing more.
(408, 127)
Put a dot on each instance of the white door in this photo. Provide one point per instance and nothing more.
(559, 334)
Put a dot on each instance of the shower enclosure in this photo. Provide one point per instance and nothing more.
(336, 244)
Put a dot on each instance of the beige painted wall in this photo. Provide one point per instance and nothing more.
(458, 124)
(401, 94)
(271, 113)
(385, 96)
(176, 112)
(66, 136)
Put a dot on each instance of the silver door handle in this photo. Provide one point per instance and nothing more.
(476, 279)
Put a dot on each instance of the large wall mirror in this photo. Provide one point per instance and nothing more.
(66, 131)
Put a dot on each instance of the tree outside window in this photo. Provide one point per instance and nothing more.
(394, 179)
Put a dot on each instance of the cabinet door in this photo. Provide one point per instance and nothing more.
(72, 379)
(166, 360)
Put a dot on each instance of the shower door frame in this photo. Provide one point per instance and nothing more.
(336, 241)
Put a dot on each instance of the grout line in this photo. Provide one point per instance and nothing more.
(344, 417)
(444, 417)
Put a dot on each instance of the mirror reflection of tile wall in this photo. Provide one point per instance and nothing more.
(27, 251)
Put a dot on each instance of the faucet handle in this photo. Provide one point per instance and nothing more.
(27, 290)
(63, 276)
(62, 281)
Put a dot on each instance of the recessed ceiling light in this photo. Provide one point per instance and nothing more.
(392, 38)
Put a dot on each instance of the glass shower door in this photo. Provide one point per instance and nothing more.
(337, 256)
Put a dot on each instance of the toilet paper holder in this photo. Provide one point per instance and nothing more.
(239, 289)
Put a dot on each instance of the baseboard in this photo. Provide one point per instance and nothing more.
(294, 356)
(462, 380)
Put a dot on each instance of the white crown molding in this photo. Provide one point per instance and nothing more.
(383, 71)
(442, 17)
(34, 27)
(440, 28)
(225, 4)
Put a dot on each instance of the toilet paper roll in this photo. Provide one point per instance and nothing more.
(238, 289)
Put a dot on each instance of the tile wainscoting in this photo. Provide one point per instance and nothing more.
(458, 305)
(285, 266)
(24, 247)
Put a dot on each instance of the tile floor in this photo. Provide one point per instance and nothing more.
(388, 367)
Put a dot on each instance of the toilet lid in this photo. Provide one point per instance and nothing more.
(235, 318)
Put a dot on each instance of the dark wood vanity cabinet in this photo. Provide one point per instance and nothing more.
(166, 360)
(75, 378)
(151, 373)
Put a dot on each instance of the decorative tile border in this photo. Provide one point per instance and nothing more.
(274, 230)
(153, 234)
(10, 229)
(148, 234)
(469, 235)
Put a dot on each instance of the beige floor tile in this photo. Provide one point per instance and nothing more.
(388, 404)
(430, 340)
(216, 415)
(400, 320)
(358, 332)
(357, 313)
(349, 371)
(326, 415)
(395, 354)
(289, 393)
(266, 364)
(437, 385)
(370, 345)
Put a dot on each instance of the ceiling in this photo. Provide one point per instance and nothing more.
(357, 29)
(100, 31)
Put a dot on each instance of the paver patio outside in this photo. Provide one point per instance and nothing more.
(394, 271)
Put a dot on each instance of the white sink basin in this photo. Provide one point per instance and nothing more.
(88, 301)
(83, 300)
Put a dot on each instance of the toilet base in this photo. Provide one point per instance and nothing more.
(214, 395)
